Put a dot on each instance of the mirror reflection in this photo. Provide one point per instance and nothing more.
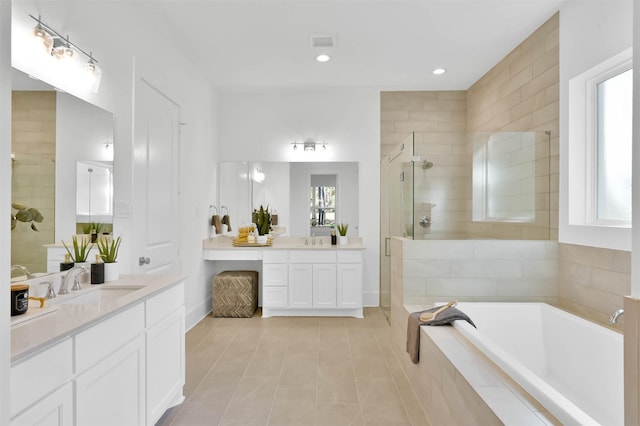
(307, 197)
(51, 132)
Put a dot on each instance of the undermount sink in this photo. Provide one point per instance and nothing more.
(99, 295)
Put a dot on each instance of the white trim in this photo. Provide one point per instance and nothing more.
(581, 227)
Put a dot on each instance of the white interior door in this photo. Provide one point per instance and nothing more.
(156, 178)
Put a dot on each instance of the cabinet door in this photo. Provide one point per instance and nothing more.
(350, 285)
(274, 275)
(54, 410)
(113, 391)
(274, 297)
(165, 365)
(300, 285)
(324, 286)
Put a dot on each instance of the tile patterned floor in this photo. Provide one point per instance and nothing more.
(294, 371)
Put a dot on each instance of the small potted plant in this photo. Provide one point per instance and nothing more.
(108, 249)
(342, 230)
(81, 249)
(263, 224)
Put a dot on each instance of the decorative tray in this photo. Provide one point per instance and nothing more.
(237, 243)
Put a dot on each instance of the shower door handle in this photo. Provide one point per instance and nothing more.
(387, 246)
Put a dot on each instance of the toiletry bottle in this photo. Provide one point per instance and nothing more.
(97, 271)
(67, 264)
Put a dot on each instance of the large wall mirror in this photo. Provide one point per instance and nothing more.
(52, 133)
(292, 191)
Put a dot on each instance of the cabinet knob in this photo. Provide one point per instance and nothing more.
(143, 261)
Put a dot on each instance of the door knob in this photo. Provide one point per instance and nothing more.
(143, 261)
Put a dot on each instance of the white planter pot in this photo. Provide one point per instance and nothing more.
(111, 271)
(261, 239)
(343, 240)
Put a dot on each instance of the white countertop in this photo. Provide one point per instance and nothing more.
(285, 243)
(68, 319)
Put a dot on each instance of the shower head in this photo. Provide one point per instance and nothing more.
(427, 165)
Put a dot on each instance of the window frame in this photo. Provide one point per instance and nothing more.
(579, 222)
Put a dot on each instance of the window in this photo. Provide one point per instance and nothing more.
(613, 146)
(595, 185)
(322, 200)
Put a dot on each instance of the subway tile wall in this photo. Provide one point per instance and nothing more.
(520, 93)
(479, 270)
(33, 134)
(593, 281)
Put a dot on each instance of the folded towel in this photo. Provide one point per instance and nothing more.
(227, 221)
(215, 221)
(413, 327)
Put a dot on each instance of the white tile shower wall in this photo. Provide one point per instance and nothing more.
(477, 270)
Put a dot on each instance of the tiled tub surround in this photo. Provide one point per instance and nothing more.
(424, 272)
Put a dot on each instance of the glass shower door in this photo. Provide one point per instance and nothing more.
(397, 217)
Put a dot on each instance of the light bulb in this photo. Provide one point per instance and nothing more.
(323, 57)
(43, 38)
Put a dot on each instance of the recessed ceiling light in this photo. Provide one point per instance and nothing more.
(323, 57)
(438, 71)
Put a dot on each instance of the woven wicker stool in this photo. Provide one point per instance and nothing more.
(235, 294)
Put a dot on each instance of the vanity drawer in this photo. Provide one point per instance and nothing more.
(274, 256)
(106, 337)
(39, 375)
(312, 256)
(350, 256)
(162, 305)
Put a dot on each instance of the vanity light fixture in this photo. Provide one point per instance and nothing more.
(310, 145)
(60, 47)
(107, 144)
(42, 37)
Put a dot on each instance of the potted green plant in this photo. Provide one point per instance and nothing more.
(108, 249)
(342, 230)
(81, 250)
(263, 224)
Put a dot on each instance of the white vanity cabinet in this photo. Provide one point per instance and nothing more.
(165, 367)
(41, 389)
(310, 282)
(275, 279)
(126, 368)
(349, 277)
(112, 392)
(312, 276)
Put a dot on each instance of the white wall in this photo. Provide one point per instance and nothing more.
(261, 125)
(590, 33)
(125, 56)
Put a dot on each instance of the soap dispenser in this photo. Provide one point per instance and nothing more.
(67, 264)
(97, 271)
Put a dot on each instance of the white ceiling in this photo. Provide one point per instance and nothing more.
(384, 44)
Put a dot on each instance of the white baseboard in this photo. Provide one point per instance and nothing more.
(197, 314)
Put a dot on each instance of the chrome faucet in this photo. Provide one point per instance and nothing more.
(73, 272)
(22, 269)
(613, 319)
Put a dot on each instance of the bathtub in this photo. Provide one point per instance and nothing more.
(571, 366)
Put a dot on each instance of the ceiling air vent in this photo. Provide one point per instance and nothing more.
(322, 41)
